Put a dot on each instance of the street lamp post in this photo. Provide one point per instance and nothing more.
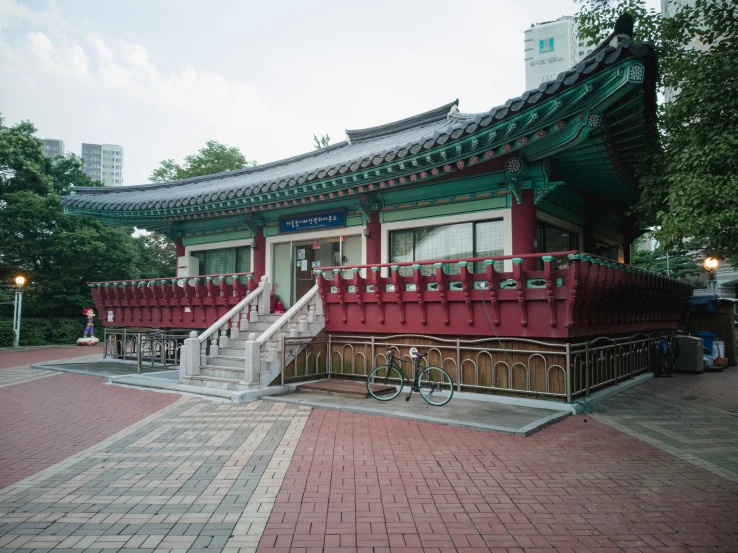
(711, 264)
(17, 305)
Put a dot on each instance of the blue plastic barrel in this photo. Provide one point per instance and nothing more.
(707, 339)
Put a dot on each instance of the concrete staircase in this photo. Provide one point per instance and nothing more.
(243, 349)
(226, 370)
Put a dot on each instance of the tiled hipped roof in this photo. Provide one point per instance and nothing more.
(364, 149)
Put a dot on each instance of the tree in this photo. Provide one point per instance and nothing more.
(23, 165)
(321, 142)
(676, 263)
(158, 254)
(212, 158)
(57, 253)
(689, 178)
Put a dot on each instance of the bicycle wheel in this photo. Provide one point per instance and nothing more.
(385, 383)
(435, 386)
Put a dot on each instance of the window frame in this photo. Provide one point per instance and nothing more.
(474, 223)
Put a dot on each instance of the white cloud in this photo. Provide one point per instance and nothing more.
(40, 46)
(162, 78)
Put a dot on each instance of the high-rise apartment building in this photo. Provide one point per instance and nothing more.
(103, 162)
(552, 47)
(53, 147)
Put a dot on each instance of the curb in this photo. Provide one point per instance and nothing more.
(523, 432)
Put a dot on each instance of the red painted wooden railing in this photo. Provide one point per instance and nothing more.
(591, 296)
(192, 302)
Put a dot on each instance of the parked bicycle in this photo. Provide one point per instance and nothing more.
(664, 356)
(432, 383)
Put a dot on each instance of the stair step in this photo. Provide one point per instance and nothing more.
(226, 361)
(219, 383)
(231, 351)
(222, 372)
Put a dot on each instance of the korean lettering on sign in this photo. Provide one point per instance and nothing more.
(299, 223)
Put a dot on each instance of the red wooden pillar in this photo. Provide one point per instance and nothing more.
(259, 268)
(524, 227)
(180, 247)
(374, 240)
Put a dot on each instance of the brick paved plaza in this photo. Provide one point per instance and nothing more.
(96, 468)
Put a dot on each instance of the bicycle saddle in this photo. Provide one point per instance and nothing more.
(415, 353)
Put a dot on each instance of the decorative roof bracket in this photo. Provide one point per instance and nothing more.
(368, 203)
(254, 220)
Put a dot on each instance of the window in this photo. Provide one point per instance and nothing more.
(581, 44)
(458, 241)
(224, 261)
(546, 45)
(550, 238)
(607, 251)
(581, 53)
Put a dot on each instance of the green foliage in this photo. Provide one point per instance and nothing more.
(321, 142)
(66, 331)
(689, 180)
(212, 158)
(23, 165)
(676, 263)
(158, 254)
(6, 334)
(35, 332)
(59, 254)
(44, 332)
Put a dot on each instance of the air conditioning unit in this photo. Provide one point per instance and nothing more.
(188, 266)
(687, 352)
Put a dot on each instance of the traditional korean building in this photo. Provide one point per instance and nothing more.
(473, 235)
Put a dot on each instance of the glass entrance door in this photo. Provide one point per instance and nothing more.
(311, 256)
(294, 263)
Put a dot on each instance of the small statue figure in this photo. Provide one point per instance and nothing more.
(88, 337)
(90, 328)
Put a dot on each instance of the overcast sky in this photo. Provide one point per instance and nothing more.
(161, 78)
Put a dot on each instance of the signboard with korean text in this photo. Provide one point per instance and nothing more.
(315, 221)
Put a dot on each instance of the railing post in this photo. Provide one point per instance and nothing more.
(263, 301)
(283, 360)
(105, 343)
(252, 354)
(125, 345)
(329, 354)
(586, 369)
(458, 365)
(190, 359)
(617, 364)
(371, 358)
(568, 373)
(138, 352)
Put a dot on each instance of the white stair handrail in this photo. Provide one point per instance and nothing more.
(288, 316)
(236, 309)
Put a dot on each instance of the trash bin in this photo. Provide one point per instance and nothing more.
(707, 338)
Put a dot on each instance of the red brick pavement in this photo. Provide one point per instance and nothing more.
(10, 359)
(360, 484)
(45, 421)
